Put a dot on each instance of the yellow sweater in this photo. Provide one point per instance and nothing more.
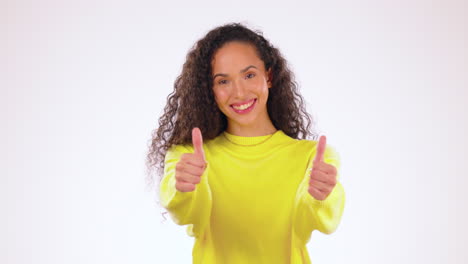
(252, 204)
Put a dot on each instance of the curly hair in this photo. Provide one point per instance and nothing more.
(193, 87)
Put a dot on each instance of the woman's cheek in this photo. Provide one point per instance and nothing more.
(259, 84)
(223, 95)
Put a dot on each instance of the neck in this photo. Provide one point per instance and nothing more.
(251, 131)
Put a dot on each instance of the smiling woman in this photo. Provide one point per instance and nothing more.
(234, 157)
(241, 92)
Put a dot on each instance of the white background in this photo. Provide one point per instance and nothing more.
(84, 82)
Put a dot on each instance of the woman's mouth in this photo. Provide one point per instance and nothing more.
(244, 108)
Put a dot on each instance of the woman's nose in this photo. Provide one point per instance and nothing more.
(239, 89)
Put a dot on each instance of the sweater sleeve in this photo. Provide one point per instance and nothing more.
(313, 214)
(185, 208)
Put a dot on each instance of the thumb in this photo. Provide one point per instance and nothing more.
(320, 149)
(197, 141)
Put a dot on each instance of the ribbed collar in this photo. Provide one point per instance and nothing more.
(250, 141)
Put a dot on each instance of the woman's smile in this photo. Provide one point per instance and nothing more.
(244, 108)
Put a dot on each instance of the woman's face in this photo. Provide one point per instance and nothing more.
(240, 86)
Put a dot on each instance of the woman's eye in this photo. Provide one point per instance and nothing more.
(222, 82)
(250, 75)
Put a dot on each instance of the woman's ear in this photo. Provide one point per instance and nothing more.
(269, 78)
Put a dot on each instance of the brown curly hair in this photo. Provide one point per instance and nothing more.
(192, 102)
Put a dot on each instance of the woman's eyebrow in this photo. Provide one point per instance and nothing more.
(219, 74)
(241, 71)
(247, 68)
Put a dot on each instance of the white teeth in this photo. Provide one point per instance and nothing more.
(244, 106)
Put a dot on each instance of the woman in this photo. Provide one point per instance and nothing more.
(237, 167)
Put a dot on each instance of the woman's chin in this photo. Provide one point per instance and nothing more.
(244, 122)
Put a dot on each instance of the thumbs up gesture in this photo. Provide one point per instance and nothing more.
(323, 175)
(189, 169)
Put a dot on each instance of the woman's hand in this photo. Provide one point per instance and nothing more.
(323, 175)
(189, 169)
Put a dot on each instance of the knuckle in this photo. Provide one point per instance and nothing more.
(198, 162)
(194, 179)
(177, 176)
(179, 172)
(201, 171)
(313, 175)
(179, 187)
(185, 157)
(197, 180)
(185, 187)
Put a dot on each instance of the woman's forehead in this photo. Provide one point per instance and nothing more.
(235, 56)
